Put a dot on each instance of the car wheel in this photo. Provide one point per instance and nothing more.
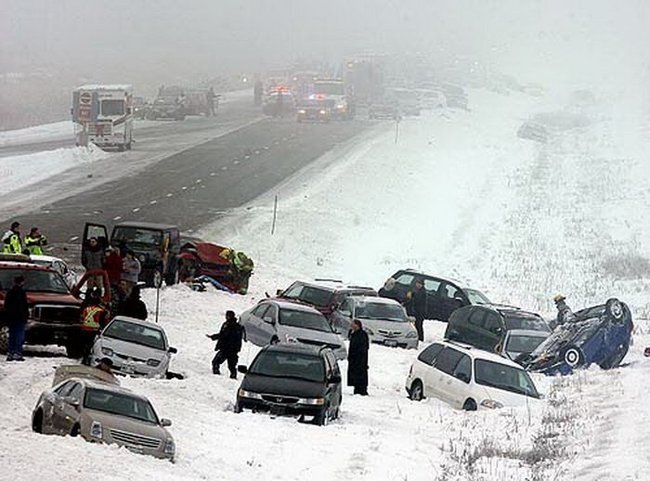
(274, 340)
(37, 422)
(470, 405)
(416, 393)
(76, 429)
(573, 356)
(238, 408)
(4, 339)
(614, 309)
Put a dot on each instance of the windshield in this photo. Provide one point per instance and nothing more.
(305, 320)
(530, 323)
(136, 333)
(311, 295)
(329, 88)
(476, 297)
(120, 404)
(35, 280)
(113, 107)
(137, 237)
(500, 376)
(375, 310)
(523, 343)
(288, 364)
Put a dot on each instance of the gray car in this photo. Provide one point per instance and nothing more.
(105, 413)
(137, 348)
(384, 320)
(274, 320)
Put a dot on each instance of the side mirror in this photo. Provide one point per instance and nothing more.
(411, 319)
(165, 422)
(268, 319)
(172, 350)
(71, 401)
(242, 369)
(335, 379)
(279, 292)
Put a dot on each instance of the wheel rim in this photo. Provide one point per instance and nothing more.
(616, 310)
(572, 357)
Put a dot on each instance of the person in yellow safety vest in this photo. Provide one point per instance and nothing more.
(243, 268)
(11, 242)
(93, 319)
(35, 241)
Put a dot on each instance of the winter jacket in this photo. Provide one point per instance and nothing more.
(35, 244)
(229, 338)
(130, 269)
(93, 258)
(113, 267)
(358, 358)
(11, 243)
(16, 306)
(417, 304)
(134, 307)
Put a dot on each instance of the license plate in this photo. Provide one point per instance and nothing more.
(390, 343)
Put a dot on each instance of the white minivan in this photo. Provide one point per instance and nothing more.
(468, 378)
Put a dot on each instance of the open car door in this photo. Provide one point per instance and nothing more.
(97, 231)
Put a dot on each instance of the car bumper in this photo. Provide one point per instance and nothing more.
(278, 408)
(155, 452)
(133, 369)
(406, 343)
(38, 332)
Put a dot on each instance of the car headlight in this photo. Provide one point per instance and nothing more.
(249, 394)
(153, 362)
(170, 447)
(340, 106)
(411, 334)
(322, 112)
(316, 401)
(289, 338)
(96, 430)
(491, 404)
(106, 351)
(301, 111)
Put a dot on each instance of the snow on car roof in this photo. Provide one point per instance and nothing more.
(374, 300)
(108, 387)
(44, 258)
(140, 322)
(105, 87)
(22, 265)
(296, 306)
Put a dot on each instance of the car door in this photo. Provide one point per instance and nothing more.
(71, 408)
(61, 407)
(99, 231)
(253, 322)
(269, 323)
(342, 317)
(451, 298)
(50, 404)
(491, 333)
(443, 373)
(333, 380)
(459, 388)
(404, 282)
(431, 287)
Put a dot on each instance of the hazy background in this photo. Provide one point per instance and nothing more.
(150, 42)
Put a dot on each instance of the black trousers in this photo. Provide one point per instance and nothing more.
(359, 389)
(419, 326)
(222, 356)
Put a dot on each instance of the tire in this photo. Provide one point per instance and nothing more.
(237, 408)
(470, 405)
(416, 393)
(614, 309)
(615, 359)
(573, 356)
(4, 339)
(37, 422)
(76, 429)
(274, 340)
(73, 350)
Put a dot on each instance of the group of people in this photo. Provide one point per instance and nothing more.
(32, 244)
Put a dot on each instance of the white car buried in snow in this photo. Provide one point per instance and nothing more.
(59, 265)
(137, 348)
(468, 378)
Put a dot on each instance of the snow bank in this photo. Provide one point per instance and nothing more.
(24, 170)
(38, 133)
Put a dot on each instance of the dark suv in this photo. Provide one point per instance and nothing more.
(487, 326)
(443, 296)
(54, 312)
(155, 245)
(292, 379)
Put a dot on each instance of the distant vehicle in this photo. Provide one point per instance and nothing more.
(167, 107)
(54, 311)
(468, 378)
(533, 131)
(486, 327)
(103, 413)
(140, 108)
(384, 111)
(280, 104)
(384, 320)
(59, 265)
(599, 335)
(455, 96)
(314, 110)
(333, 90)
(273, 321)
(156, 246)
(444, 296)
(407, 99)
(137, 348)
(292, 379)
(431, 98)
(104, 114)
(364, 79)
(204, 259)
(323, 294)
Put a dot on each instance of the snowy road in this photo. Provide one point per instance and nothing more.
(458, 195)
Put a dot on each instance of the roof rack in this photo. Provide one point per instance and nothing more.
(326, 279)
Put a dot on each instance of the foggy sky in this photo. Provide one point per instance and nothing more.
(558, 41)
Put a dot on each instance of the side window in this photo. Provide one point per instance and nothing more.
(259, 311)
(450, 292)
(431, 286)
(64, 389)
(405, 279)
(463, 369)
(428, 356)
(447, 360)
(493, 323)
(76, 391)
(271, 312)
(346, 305)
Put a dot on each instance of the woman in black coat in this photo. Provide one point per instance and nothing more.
(358, 359)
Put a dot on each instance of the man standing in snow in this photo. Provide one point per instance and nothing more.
(416, 302)
(358, 359)
(17, 313)
(11, 242)
(35, 241)
(229, 340)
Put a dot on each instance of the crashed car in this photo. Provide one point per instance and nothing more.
(599, 335)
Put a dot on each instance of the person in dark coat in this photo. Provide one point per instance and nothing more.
(133, 306)
(416, 304)
(229, 341)
(17, 313)
(358, 359)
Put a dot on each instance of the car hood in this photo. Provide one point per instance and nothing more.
(48, 298)
(123, 423)
(310, 334)
(282, 386)
(131, 349)
(385, 325)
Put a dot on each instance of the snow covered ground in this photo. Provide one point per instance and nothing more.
(39, 133)
(458, 195)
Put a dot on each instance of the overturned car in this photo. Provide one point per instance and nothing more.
(599, 335)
